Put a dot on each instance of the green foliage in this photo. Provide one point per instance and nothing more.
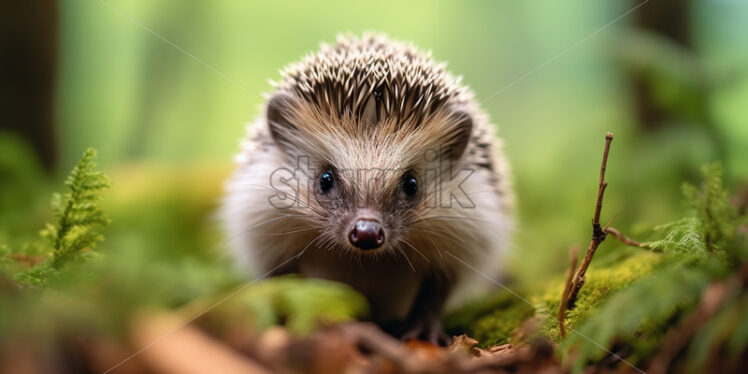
(299, 304)
(739, 339)
(20, 174)
(636, 315)
(160, 255)
(717, 330)
(77, 214)
(634, 301)
(719, 220)
(494, 320)
(502, 325)
(695, 252)
(462, 320)
(681, 236)
(628, 300)
(600, 283)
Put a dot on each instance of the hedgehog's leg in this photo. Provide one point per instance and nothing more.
(424, 320)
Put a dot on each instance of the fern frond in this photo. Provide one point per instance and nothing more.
(78, 211)
(682, 236)
(77, 214)
(718, 218)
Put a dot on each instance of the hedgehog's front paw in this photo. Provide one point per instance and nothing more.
(427, 329)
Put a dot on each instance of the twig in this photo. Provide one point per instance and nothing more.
(565, 295)
(531, 357)
(598, 234)
(374, 339)
(623, 238)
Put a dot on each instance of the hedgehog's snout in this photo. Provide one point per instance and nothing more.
(367, 234)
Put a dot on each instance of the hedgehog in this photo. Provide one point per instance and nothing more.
(373, 166)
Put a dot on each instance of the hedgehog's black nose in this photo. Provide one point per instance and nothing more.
(367, 234)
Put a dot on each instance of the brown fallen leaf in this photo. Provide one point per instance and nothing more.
(174, 348)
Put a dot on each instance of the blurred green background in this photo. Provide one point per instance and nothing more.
(164, 89)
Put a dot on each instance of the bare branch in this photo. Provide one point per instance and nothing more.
(565, 295)
(623, 238)
(598, 234)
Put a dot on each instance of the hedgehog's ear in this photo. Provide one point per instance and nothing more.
(278, 113)
(457, 135)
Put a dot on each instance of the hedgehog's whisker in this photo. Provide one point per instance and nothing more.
(307, 245)
(328, 243)
(439, 250)
(279, 258)
(400, 249)
(290, 232)
(415, 249)
(432, 229)
(263, 223)
(287, 194)
(449, 236)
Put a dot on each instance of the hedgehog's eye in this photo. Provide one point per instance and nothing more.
(326, 181)
(410, 184)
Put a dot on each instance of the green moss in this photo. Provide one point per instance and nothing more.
(500, 326)
(460, 320)
(599, 284)
(495, 319)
